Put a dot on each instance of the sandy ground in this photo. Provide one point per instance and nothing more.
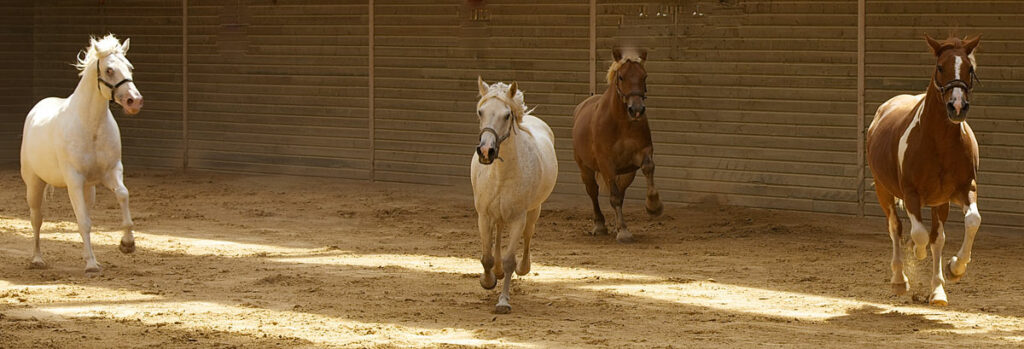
(229, 260)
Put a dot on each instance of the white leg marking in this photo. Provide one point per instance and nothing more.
(972, 221)
(938, 296)
(919, 233)
(906, 134)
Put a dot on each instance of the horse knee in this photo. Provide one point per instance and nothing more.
(972, 220)
(121, 193)
(509, 263)
(487, 261)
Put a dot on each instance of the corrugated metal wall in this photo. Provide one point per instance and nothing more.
(752, 103)
(279, 87)
(899, 61)
(16, 68)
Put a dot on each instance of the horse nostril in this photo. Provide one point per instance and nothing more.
(490, 153)
(642, 110)
(130, 101)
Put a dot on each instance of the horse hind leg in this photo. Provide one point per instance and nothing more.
(938, 241)
(34, 195)
(590, 181)
(523, 267)
(115, 183)
(653, 205)
(899, 282)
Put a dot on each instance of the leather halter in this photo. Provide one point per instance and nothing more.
(968, 88)
(499, 139)
(104, 82)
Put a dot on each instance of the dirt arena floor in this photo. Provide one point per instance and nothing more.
(228, 260)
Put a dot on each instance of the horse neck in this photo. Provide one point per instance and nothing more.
(88, 104)
(616, 109)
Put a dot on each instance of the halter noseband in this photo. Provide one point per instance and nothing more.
(499, 139)
(104, 82)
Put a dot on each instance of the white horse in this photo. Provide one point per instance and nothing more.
(509, 193)
(74, 142)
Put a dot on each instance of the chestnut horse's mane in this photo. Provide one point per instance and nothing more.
(626, 57)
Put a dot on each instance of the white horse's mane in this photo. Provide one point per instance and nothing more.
(629, 56)
(499, 91)
(98, 49)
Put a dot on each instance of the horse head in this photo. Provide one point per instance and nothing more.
(954, 75)
(630, 80)
(113, 72)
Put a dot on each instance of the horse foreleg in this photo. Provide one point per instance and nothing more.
(590, 181)
(77, 193)
(34, 195)
(653, 204)
(899, 278)
(115, 182)
(531, 224)
(515, 229)
(918, 232)
(487, 279)
(619, 185)
(938, 240)
(957, 266)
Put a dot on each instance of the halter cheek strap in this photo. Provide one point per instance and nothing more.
(104, 82)
(499, 139)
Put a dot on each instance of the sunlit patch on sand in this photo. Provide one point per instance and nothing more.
(257, 322)
(798, 305)
(539, 273)
(68, 232)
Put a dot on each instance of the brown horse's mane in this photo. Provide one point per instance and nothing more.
(626, 57)
(499, 91)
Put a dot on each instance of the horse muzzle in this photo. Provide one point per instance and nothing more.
(636, 112)
(131, 102)
(957, 110)
(486, 154)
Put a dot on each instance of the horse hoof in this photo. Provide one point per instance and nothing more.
(523, 268)
(93, 270)
(938, 301)
(625, 238)
(488, 284)
(900, 289)
(948, 272)
(656, 210)
(599, 230)
(921, 252)
(502, 309)
(38, 264)
(127, 248)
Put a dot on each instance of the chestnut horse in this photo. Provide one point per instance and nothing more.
(921, 150)
(611, 137)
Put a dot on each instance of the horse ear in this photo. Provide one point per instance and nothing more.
(617, 54)
(971, 43)
(935, 45)
(124, 45)
(512, 90)
(643, 55)
(481, 85)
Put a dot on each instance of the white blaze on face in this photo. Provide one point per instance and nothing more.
(958, 93)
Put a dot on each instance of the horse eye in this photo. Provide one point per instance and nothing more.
(939, 67)
(507, 115)
(480, 113)
(620, 78)
(110, 71)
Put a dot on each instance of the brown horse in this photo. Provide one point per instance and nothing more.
(611, 137)
(921, 150)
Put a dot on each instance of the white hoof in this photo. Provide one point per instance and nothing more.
(951, 274)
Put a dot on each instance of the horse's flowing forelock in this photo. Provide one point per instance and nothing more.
(499, 91)
(98, 49)
(631, 57)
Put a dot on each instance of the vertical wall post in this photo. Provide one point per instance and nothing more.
(370, 110)
(861, 9)
(593, 47)
(184, 84)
